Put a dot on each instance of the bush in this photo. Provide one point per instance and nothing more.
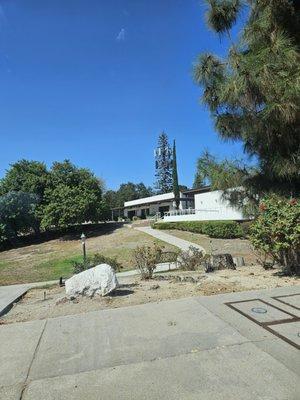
(146, 258)
(3, 235)
(276, 232)
(191, 259)
(135, 218)
(96, 260)
(215, 229)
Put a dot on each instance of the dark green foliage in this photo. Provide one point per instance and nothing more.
(163, 165)
(127, 192)
(214, 229)
(222, 14)
(96, 260)
(176, 190)
(17, 214)
(33, 197)
(254, 94)
(25, 176)
(73, 195)
(276, 232)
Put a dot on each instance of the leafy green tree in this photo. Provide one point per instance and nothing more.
(143, 191)
(275, 234)
(127, 192)
(254, 94)
(163, 165)
(25, 176)
(17, 213)
(176, 190)
(73, 196)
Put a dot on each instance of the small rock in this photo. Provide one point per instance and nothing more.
(154, 287)
(62, 300)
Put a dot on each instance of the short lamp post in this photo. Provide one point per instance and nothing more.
(83, 238)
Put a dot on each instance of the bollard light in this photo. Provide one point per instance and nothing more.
(83, 239)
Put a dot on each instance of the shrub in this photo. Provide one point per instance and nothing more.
(96, 260)
(135, 218)
(276, 232)
(3, 234)
(215, 229)
(191, 259)
(146, 259)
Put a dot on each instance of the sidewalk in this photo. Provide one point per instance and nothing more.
(197, 348)
(181, 243)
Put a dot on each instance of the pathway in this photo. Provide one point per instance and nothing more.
(199, 348)
(166, 237)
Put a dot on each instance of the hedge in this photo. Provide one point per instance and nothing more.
(214, 229)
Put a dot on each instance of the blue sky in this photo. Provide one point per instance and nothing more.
(96, 82)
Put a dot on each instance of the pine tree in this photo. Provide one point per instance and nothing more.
(254, 94)
(163, 165)
(176, 190)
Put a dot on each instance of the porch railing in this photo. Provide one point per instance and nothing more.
(188, 211)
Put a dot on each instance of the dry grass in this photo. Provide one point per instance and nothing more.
(52, 259)
(236, 247)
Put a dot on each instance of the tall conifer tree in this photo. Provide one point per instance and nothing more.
(254, 93)
(176, 189)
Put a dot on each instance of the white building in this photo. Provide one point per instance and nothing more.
(159, 204)
(195, 205)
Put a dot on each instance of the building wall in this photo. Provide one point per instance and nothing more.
(209, 207)
(152, 203)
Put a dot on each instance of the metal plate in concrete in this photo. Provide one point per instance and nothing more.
(292, 300)
(260, 311)
(290, 331)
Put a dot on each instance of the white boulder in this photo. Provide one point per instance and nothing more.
(98, 280)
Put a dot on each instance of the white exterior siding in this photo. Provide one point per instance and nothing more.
(209, 206)
(152, 204)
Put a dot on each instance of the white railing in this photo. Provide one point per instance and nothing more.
(188, 211)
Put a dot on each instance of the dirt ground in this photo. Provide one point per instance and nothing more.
(236, 247)
(51, 302)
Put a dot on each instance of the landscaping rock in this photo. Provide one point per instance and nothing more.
(94, 281)
(239, 261)
(222, 261)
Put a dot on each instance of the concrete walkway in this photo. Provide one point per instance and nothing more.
(181, 243)
(12, 293)
(188, 349)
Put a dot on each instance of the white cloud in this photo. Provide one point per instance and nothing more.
(121, 35)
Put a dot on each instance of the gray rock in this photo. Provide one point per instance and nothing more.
(222, 261)
(94, 281)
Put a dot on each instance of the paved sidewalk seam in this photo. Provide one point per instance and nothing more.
(33, 358)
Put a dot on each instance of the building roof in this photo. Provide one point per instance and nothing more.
(153, 199)
(203, 189)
